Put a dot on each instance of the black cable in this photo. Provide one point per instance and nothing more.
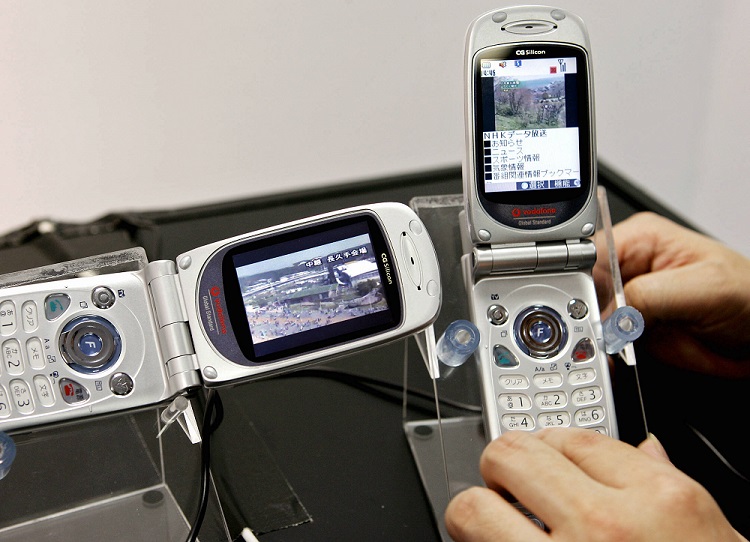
(370, 385)
(212, 417)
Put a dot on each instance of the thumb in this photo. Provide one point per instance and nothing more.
(653, 447)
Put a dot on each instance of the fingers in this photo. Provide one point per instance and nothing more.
(610, 462)
(653, 447)
(580, 467)
(538, 475)
(660, 296)
(481, 515)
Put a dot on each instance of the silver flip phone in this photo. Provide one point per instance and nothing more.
(254, 305)
(530, 205)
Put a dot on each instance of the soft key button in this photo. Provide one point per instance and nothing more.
(73, 392)
(29, 316)
(7, 317)
(34, 353)
(411, 257)
(44, 390)
(581, 376)
(55, 306)
(514, 382)
(548, 380)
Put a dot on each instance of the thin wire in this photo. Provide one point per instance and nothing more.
(210, 424)
(717, 453)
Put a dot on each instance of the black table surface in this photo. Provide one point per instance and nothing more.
(339, 446)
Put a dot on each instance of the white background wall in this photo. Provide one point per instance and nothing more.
(143, 104)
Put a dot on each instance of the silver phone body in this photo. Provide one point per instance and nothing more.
(541, 358)
(146, 324)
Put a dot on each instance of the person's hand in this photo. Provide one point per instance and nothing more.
(693, 292)
(585, 487)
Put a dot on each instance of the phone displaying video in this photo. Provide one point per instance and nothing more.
(297, 293)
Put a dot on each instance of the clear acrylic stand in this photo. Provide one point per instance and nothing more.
(105, 478)
(446, 449)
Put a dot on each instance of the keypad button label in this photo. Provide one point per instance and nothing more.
(44, 390)
(549, 400)
(8, 320)
(21, 394)
(4, 403)
(514, 382)
(523, 422)
(548, 380)
(12, 358)
(589, 416)
(581, 376)
(587, 396)
(29, 316)
(35, 353)
(514, 401)
(554, 419)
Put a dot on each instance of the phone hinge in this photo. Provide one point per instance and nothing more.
(175, 341)
(533, 257)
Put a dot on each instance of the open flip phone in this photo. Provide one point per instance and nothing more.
(530, 206)
(254, 305)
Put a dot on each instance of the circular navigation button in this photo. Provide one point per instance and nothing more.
(121, 384)
(497, 314)
(540, 332)
(577, 309)
(103, 297)
(89, 344)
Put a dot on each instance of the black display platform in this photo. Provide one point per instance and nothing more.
(338, 441)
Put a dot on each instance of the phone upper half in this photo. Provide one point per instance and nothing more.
(310, 289)
(529, 172)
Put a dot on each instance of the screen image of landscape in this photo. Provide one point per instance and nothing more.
(311, 288)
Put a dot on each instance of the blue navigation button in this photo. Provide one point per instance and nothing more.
(90, 344)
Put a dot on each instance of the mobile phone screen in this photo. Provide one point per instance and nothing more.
(306, 289)
(532, 133)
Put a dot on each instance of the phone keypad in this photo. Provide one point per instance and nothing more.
(25, 392)
(545, 393)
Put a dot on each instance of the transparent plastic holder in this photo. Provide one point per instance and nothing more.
(106, 477)
(7, 454)
(447, 448)
(622, 328)
(459, 341)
